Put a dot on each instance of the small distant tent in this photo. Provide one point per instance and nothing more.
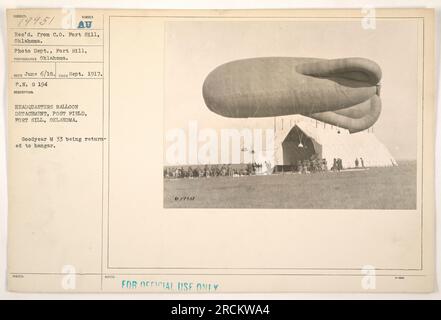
(304, 139)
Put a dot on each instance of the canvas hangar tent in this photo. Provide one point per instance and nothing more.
(299, 138)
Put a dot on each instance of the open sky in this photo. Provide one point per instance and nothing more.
(193, 49)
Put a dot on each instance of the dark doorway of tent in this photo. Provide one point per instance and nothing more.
(298, 147)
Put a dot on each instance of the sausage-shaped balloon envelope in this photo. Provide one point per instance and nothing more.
(341, 92)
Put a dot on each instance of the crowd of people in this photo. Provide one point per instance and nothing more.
(312, 165)
(316, 164)
(207, 171)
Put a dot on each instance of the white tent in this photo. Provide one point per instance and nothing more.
(327, 142)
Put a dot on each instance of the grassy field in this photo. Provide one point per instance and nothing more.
(375, 188)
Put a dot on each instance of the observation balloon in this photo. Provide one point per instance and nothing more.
(342, 92)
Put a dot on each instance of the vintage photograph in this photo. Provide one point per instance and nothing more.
(220, 151)
(291, 114)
